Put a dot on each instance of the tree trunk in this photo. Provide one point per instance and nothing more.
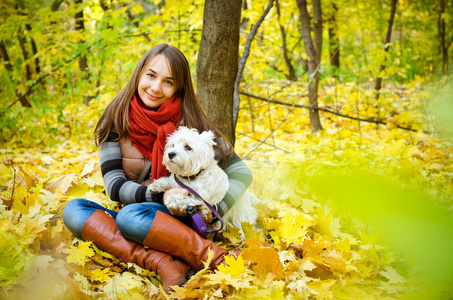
(5, 56)
(32, 41)
(21, 39)
(34, 50)
(313, 47)
(83, 61)
(388, 36)
(291, 71)
(243, 61)
(23, 100)
(105, 5)
(443, 45)
(218, 62)
(334, 42)
(56, 5)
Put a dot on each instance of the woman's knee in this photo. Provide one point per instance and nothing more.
(73, 217)
(134, 220)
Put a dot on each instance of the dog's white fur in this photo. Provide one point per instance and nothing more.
(187, 153)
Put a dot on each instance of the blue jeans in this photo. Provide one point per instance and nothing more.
(134, 220)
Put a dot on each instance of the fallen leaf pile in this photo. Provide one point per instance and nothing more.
(305, 249)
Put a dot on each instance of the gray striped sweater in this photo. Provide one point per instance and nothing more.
(125, 191)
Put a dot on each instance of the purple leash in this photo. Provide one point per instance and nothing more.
(207, 204)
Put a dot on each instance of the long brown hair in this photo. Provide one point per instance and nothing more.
(116, 114)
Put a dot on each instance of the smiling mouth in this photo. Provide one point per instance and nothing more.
(152, 97)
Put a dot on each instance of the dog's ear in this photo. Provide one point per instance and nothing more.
(208, 137)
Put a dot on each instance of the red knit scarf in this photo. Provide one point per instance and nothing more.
(151, 128)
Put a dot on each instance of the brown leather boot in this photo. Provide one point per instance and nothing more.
(101, 229)
(171, 236)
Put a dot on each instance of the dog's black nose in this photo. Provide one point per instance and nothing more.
(171, 155)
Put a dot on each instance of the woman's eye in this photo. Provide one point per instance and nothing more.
(187, 148)
(151, 75)
(169, 82)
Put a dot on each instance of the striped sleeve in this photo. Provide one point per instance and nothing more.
(116, 184)
(240, 177)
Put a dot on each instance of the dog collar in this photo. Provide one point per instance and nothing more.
(191, 177)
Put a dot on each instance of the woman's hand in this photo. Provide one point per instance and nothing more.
(176, 212)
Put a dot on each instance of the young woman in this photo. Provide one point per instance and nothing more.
(131, 132)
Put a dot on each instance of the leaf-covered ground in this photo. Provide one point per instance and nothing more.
(316, 241)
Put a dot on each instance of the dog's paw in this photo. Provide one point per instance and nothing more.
(159, 186)
(204, 211)
(177, 201)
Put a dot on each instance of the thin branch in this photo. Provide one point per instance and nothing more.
(289, 111)
(369, 120)
(42, 77)
(136, 24)
(276, 147)
(310, 78)
(243, 60)
(10, 163)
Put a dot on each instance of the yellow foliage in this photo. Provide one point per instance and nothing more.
(80, 254)
(233, 266)
(305, 248)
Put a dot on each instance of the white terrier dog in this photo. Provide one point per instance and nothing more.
(190, 156)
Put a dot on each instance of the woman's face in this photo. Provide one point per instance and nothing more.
(156, 83)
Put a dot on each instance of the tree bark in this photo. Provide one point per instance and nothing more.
(218, 62)
(334, 42)
(23, 100)
(243, 60)
(56, 5)
(313, 47)
(32, 41)
(23, 47)
(80, 26)
(5, 56)
(34, 50)
(291, 71)
(388, 36)
(137, 25)
(83, 61)
(443, 44)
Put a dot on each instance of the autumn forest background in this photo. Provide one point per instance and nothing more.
(343, 110)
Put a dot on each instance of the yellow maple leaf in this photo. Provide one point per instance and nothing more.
(343, 245)
(94, 180)
(87, 169)
(101, 275)
(36, 222)
(250, 232)
(80, 254)
(321, 288)
(49, 199)
(26, 179)
(264, 260)
(20, 194)
(63, 183)
(313, 248)
(233, 266)
(294, 229)
(233, 235)
(308, 205)
(391, 288)
(391, 274)
(209, 259)
(82, 279)
(335, 261)
(298, 286)
(97, 197)
(125, 283)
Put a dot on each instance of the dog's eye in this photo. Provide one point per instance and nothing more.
(187, 148)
